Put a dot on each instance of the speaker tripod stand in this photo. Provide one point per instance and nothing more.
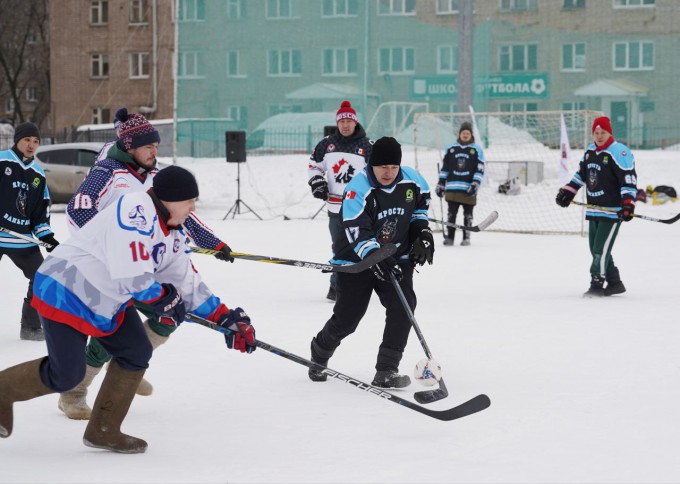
(236, 207)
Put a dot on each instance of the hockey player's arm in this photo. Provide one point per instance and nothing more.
(84, 203)
(316, 165)
(357, 223)
(201, 234)
(40, 216)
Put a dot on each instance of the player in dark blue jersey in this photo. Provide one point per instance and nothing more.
(384, 203)
(607, 170)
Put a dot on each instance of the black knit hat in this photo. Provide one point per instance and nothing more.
(175, 184)
(386, 151)
(25, 130)
(466, 126)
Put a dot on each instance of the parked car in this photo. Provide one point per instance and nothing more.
(65, 166)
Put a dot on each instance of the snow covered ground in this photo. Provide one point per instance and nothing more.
(581, 390)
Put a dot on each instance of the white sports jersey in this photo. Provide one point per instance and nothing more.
(124, 253)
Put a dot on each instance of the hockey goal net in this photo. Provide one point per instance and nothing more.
(522, 152)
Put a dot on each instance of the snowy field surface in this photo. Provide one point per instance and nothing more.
(582, 390)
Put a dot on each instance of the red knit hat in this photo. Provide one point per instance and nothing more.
(602, 122)
(135, 130)
(346, 111)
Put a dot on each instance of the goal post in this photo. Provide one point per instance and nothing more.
(522, 152)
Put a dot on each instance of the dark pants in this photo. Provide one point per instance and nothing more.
(97, 356)
(467, 218)
(28, 261)
(65, 366)
(354, 292)
(601, 238)
(336, 229)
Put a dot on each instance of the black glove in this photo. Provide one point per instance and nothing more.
(49, 239)
(383, 268)
(225, 254)
(627, 209)
(319, 187)
(472, 189)
(170, 307)
(423, 248)
(239, 333)
(439, 190)
(564, 197)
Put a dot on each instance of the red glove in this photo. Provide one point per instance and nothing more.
(627, 209)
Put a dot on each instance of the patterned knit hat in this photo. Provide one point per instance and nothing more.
(135, 131)
(346, 111)
(602, 122)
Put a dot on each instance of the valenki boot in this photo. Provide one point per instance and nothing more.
(109, 410)
(145, 387)
(73, 402)
(18, 384)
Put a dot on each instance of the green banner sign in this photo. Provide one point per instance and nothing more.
(534, 86)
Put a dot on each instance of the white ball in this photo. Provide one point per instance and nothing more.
(428, 372)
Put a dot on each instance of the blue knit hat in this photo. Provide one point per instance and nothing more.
(135, 131)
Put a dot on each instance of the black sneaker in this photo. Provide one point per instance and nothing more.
(448, 241)
(317, 375)
(614, 288)
(595, 289)
(390, 379)
(332, 295)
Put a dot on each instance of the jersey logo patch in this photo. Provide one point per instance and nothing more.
(158, 252)
(137, 217)
(8, 171)
(175, 245)
(387, 231)
(592, 179)
(22, 202)
(331, 147)
(343, 171)
(36, 182)
(409, 195)
(350, 195)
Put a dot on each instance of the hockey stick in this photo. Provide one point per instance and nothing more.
(475, 228)
(643, 217)
(26, 238)
(474, 405)
(441, 208)
(425, 396)
(376, 256)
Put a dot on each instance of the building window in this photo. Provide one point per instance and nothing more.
(447, 6)
(32, 94)
(340, 8)
(633, 3)
(397, 60)
(99, 12)
(518, 5)
(518, 58)
(633, 56)
(396, 7)
(275, 109)
(234, 64)
(279, 9)
(340, 62)
(574, 57)
(190, 65)
(99, 66)
(235, 9)
(32, 37)
(139, 65)
(284, 62)
(9, 105)
(447, 59)
(519, 118)
(192, 10)
(237, 113)
(573, 106)
(101, 116)
(569, 4)
(138, 12)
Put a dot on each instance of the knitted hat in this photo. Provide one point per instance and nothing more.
(346, 111)
(602, 122)
(135, 131)
(25, 130)
(175, 184)
(386, 151)
(465, 126)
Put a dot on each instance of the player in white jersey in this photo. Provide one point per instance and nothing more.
(129, 165)
(133, 250)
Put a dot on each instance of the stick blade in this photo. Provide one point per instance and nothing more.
(493, 216)
(429, 396)
(474, 405)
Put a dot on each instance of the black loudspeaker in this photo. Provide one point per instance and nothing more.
(329, 130)
(236, 146)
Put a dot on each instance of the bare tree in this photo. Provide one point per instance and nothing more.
(24, 60)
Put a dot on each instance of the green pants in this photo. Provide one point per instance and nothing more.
(97, 356)
(601, 237)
